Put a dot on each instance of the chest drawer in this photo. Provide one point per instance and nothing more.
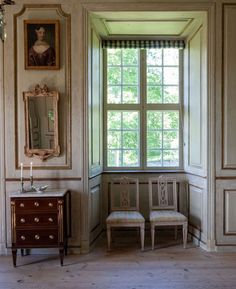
(37, 237)
(36, 219)
(36, 204)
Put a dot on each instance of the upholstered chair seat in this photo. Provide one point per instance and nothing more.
(122, 217)
(167, 216)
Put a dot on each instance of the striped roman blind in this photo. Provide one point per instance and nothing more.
(180, 44)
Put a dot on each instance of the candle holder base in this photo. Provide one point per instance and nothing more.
(22, 190)
(31, 182)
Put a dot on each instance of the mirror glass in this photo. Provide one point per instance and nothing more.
(41, 122)
(41, 115)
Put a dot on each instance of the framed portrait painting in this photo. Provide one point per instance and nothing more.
(42, 49)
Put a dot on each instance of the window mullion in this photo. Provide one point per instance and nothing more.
(143, 100)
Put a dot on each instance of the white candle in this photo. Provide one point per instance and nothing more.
(21, 171)
(31, 169)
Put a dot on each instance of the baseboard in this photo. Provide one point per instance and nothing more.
(226, 248)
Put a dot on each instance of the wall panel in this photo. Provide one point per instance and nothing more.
(95, 107)
(229, 87)
(195, 95)
(225, 212)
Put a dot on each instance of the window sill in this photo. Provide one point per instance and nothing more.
(176, 171)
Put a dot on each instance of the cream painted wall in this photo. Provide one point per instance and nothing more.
(63, 171)
(219, 118)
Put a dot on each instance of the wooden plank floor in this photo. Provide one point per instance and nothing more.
(126, 267)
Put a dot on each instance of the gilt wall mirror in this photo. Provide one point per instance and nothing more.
(41, 122)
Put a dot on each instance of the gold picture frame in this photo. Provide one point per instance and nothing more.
(42, 44)
(41, 136)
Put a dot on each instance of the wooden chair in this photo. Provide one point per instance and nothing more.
(124, 196)
(163, 207)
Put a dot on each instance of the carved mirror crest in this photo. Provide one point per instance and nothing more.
(41, 122)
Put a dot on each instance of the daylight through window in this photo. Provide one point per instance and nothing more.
(142, 108)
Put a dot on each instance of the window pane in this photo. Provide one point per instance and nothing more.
(171, 120)
(171, 94)
(154, 57)
(171, 158)
(130, 140)
(130, 120)
(162, 138)
(130, 56)
(114, 140)
(171, 139)
(122, 76)
(114, 120)
(130, 94)
(123, 138)
(154, 94)
(154, 158)
(130, 75)
(114, 56)
(130, 158)
(154, 75)
(171, 75)
(154, 120)
(171, 56)
(114, 75)
(114, 158)
(114, 94)
(154, 139)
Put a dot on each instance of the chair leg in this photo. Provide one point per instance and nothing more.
(185, 234)
(152, 235)
(108, 238)
(142, 235)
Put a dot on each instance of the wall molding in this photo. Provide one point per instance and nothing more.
(224, 92)
(67, 129)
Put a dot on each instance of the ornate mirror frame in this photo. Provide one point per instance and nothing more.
(42, 153)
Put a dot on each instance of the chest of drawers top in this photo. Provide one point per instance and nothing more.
(50, 193)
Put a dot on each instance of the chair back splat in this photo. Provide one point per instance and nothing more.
(124, 194)
(162, 194)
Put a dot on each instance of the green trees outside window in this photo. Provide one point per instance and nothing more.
(142, 108)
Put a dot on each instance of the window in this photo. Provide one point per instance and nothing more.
(142, 108)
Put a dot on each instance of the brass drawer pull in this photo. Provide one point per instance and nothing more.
(36, 204)
(36, 220)
(37, 237)
(50, 220)
(22, 205)
(22, 238)
(50, 204)
(51, 237)
(22, 220)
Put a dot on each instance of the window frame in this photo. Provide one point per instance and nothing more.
(143, 107)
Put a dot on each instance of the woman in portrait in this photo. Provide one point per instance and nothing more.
(41, 53)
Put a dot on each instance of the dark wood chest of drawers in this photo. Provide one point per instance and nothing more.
(40, 221)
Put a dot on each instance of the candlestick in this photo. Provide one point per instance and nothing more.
(21, 171)
(21, 178)
(31, 182)
(31, 169)
(22, 190)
